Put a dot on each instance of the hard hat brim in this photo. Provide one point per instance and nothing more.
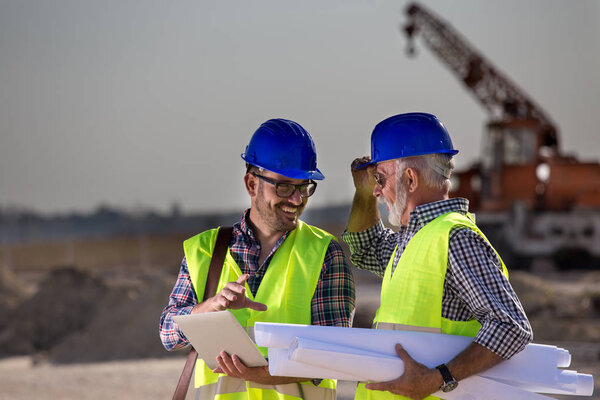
(374, 162)
(315, 175)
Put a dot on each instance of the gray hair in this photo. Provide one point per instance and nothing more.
(435, 169)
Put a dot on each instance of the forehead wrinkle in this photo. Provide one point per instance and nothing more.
(387, 167)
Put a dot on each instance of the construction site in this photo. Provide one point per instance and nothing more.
(79, 314)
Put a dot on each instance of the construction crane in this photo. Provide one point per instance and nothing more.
(533, 200)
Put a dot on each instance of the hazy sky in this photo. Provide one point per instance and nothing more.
(143, 103)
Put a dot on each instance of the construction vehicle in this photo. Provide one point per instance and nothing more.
(531, 200)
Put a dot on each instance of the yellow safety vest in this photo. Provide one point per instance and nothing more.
(411, 297)
(287, 289)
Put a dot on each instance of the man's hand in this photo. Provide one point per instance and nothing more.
(364, 213)
(417, 381)
(232, 296)
(234, 367)
(363, 177)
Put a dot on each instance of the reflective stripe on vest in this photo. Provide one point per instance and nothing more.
(239, 389)
(411, 297)
(287, 289)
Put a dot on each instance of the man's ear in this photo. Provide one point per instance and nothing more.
(251, 183)
(412, 179)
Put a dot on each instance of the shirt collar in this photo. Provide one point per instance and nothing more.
(425, 213)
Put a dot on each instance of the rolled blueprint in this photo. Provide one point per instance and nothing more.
(476, 387)
(281, 365)
(567, 382)
(354, 362)
(533, 369)
(537, 362)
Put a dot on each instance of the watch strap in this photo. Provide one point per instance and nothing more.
(446, 375)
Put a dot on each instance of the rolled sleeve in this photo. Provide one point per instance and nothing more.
(504, 339)
(475, 276)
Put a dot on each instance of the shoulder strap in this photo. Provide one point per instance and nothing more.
(216, 262)
(214, 272)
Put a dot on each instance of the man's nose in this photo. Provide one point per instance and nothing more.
(295, 198)
(376, 190)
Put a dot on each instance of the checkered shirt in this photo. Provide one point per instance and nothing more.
(332, 303)
(474, 286)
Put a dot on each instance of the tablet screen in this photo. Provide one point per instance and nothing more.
(212, 332)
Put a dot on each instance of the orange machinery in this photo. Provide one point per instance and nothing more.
(531, 200)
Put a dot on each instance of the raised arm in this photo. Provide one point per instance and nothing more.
(364, 213)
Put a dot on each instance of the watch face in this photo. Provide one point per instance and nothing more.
(449, 386)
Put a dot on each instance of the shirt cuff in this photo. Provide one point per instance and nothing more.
(504, 339)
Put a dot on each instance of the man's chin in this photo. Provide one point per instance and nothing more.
(287, 224)
(395, 220)
(291, 224)
(394, 223)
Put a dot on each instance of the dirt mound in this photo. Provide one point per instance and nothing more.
(77, 316)
(126, 326)
(12, 290)
(65, 302)
(561, 306)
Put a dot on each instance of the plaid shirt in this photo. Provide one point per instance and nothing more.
(474, 286)
(332, 303)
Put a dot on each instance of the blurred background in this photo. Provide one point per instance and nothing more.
(122, 125)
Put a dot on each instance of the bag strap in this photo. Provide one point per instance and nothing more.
(214, 272)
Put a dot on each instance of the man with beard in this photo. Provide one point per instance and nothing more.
(440, 274)
(278, 268)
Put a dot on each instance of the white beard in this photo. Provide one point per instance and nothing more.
(397, 209)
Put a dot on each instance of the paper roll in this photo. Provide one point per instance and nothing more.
(476, 387)
(281, 365)
(355, 362)
(534, 367)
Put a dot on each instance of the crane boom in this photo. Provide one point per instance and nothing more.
(502, 99)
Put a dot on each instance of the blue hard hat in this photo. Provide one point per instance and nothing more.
(408, 135)
(283, 147)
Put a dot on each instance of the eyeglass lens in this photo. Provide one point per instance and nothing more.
(379, 179)
(287, 189)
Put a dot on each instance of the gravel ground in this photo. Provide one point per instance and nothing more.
(140, 379)
(147, 379)
(21, 379)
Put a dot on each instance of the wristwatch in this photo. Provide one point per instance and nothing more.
(449, 382)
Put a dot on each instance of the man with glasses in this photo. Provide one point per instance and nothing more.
(281, 269)
(440, 274)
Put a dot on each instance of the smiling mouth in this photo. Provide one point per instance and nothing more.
(289, 210)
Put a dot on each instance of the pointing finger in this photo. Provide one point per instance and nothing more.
(242, 278)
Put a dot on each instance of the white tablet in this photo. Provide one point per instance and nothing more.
(212, 332)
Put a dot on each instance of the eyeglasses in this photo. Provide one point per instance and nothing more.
(379, 179)
(285, 190)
